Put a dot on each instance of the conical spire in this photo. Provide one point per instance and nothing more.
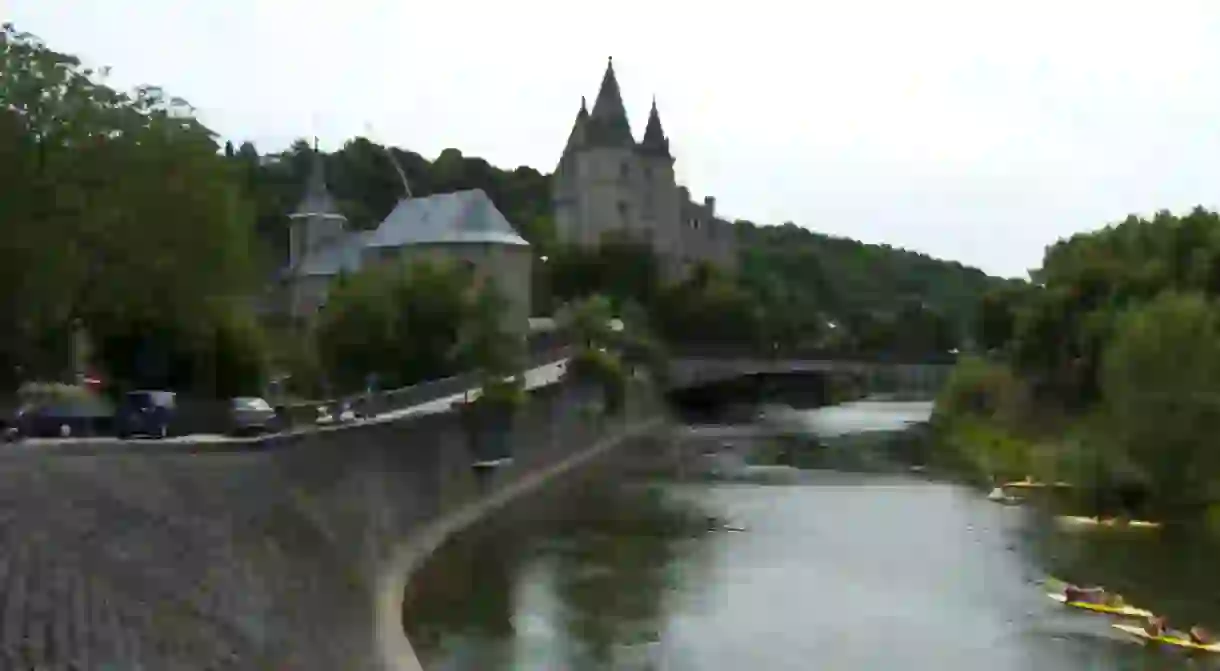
(608, 125)
(576, 139)
(317, 199)
(654, 143)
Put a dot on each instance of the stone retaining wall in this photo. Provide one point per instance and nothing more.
(257, 557)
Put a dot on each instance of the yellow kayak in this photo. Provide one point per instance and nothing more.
(1112, 523)
(1180, 642)
(1031, 484)
(1125, 611)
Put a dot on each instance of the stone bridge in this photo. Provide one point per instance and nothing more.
(286, 552)
(708, 365)
(690, 372)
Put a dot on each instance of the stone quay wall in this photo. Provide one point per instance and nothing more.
(263, 554)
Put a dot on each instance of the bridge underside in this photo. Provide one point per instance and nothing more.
(715, 400)
(710, 390)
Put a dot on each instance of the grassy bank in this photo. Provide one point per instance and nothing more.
(987, 428)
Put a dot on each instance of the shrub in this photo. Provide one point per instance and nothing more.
(603, 368)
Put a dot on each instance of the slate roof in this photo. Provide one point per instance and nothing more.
(342, 255)
(607, 125)
(447, 218)
(460, 217)
(655, 143)
(316, 200)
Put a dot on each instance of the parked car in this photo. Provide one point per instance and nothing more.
(10, 432)
(339, 413)
(62, 419)
(250, 414)
(145, 413)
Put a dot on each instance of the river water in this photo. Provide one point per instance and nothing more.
(798, 569)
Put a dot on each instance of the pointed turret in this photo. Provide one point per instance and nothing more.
(576, 139)
(608, 125)
(317, 221)
(317, 199)
(655, 143)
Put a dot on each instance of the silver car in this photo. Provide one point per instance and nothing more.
(251, 414)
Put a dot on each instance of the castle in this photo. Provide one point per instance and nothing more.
(606, 182)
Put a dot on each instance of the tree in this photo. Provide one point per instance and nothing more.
(586, 322)
(403, 322)
(484, 344)
(128, 219)
(1161, 382)
(708, 307)
(356, 330)
(997, 316)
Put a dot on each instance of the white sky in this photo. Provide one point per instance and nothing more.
(969, 130)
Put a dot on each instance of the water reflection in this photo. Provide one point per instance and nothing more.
(589, 589)
(837, 570)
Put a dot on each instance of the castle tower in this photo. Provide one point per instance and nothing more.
(597, 184)
(316, 222)
(660, 204)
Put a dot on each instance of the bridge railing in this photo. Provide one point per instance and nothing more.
(548, 348)
(542, 351)
(729, 351)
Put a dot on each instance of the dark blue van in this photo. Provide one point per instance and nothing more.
(145, 413)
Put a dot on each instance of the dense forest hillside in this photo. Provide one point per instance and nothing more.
(812, 271)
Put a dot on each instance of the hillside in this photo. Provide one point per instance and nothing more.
(835, 276)
(847, 275)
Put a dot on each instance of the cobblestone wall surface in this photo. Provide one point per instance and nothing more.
(258, 558)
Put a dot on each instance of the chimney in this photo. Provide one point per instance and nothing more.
(684, 193)
(710, 204)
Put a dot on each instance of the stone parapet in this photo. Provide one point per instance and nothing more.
(259, 555)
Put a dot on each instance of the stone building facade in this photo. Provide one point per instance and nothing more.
(607, 182)
(462, 227)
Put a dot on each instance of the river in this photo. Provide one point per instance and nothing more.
(800, 569)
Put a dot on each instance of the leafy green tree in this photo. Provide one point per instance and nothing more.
(587, 322)
(128, 218)
(405, 323)
(484, 343)
(1161, 382)
(356, 331)
(708, 308)
(997, 316)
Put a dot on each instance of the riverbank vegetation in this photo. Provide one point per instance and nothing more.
(1104, 370)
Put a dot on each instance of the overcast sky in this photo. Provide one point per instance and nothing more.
(956, 128)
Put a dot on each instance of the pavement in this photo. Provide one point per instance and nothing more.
(541, 376)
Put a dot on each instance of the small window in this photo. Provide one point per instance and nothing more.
(622, 209)
(624, 170)
(648, 172)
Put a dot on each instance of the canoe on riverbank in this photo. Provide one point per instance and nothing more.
(1031, 484)
(1125, 611)
(1139, 632)
(1081, 521)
